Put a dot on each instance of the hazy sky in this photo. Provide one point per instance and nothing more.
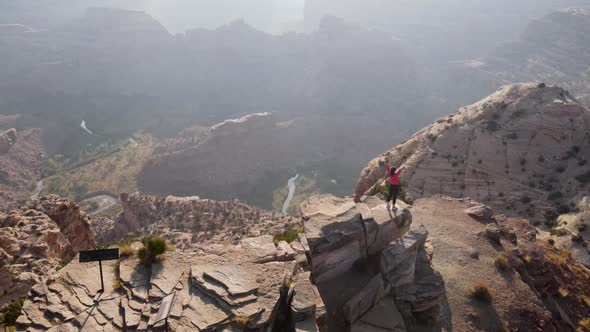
(180, 15)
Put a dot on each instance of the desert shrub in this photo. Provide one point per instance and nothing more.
(512, 136)
(241, 320)
(125, 250)
(481, 291)
(152, 248)
(584, 325)
(11, 311)
(560, 169)
(551, 241)
(582, 227)
(288, 235)
(541, 158)
(525, 199)
(492, 126)
(117, 284)
(501, 261)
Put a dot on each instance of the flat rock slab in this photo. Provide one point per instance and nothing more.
(166, 276)
(260, 249)
(330, 222)
(304, 299)
(384, 316)
(398, 251)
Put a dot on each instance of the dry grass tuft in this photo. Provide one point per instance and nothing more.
(502, 262)
(563, 292)
(241, 320)
(125, 250)
(584, 325)
(481, 291)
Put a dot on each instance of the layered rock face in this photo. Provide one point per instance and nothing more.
(21, 156)
(371, 271)
(256, 285)
(523, 150)
(36, 240)
(551, 49)
(190, 222)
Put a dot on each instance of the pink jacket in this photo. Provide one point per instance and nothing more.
(393, 179)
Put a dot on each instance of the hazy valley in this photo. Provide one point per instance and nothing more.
(182, 150)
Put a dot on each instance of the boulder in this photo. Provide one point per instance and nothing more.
(334, 233)
(480, 212)
(398, 260)
(492, 232)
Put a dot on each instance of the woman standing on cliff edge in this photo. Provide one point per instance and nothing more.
(393, 175)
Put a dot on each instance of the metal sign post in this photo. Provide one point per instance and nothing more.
(99, 255)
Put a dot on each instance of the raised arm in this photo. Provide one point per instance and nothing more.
(400, 170)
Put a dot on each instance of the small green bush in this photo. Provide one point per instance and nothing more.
(288, 235)
(152, 248)
(11, 311)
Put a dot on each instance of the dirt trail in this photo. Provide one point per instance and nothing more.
(463, 257)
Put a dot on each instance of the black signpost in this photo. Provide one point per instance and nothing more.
(99, 255)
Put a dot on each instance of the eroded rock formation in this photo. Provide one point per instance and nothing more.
(190, 222)
(37, 240)
(524, 151)
(21, 156)
(371, 271)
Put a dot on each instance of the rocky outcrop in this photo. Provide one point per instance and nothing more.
(572, 232)
(37, 240)
(7, 140)
(561, 282)
(365, 261)
(524, 150)
(21, 155)
(225, 288)
(191, 222)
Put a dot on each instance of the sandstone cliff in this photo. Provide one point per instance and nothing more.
(21, 156)
(38, 239)
(552, 49)
(190, 222)
(524, 150)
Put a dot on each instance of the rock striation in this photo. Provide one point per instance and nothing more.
(227, 288)
(371, 271)
(37, 240)
(524, 151)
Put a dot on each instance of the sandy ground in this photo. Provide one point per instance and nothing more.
(456, 242)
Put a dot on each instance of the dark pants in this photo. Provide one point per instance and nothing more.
(393, 191)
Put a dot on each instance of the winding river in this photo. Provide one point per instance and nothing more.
(38, 190)
(291, 185)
